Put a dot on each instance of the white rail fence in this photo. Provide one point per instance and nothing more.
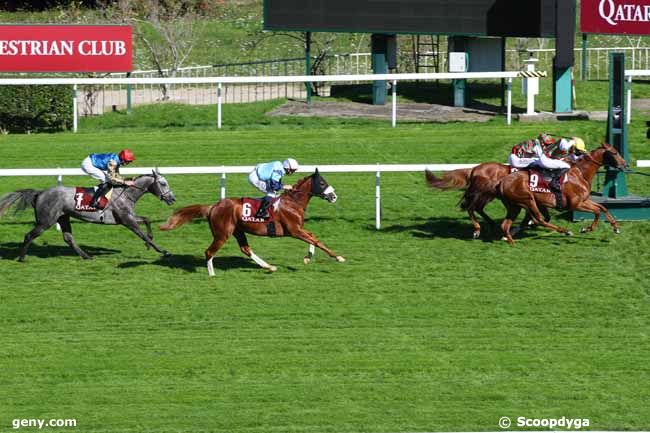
(377, 169)
(219, 81)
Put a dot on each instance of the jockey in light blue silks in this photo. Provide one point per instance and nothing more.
(105, 167)
(267, 177)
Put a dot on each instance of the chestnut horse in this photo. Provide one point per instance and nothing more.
(515, 193)
(225, 219)
(480, 188)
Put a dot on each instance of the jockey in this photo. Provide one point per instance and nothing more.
(105, 167)
(571, 149)
(267, 177)
(545, 151)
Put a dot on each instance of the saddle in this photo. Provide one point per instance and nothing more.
(84, 196)
(548, 181)
(250, 207)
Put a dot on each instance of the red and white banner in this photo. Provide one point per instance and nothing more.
(66, 49)
(623, 17)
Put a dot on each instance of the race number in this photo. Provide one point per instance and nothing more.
(79, 198)
(246, 210)
(534, 180)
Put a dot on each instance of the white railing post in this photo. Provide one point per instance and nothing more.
(223, 185)
(219, 106)
(509, 109)
(74, 108)
(394, 103)
(59, 182)
(378, 199)
(532, 87)
(629, 99)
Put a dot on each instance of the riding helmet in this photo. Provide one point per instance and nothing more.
(126, 156)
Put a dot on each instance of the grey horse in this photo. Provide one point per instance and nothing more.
(58, 205)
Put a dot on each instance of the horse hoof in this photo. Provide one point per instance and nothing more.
(568, 233)
(306, 260)
(617, 231)
(340, 259)
(272, 268)
(88, 257)
(476, 235)
(166, 254)
(584, 230)
(503, 238)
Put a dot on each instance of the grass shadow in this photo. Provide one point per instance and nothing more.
(11, 250)
(193, 263)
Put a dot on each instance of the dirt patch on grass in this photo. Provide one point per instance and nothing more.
(418, 112)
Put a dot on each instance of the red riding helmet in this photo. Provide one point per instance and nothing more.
(126, 156)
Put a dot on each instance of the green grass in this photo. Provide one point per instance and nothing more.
(422, 329)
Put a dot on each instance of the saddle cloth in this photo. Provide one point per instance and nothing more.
(83, 197)
(539, 180)
(250, 207)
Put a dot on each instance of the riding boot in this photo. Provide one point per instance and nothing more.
(263, 211)
(102, 189)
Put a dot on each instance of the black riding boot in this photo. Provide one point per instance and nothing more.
(102, 189)
(263, 211)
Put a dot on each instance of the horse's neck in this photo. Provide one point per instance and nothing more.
(142, 183)
(590, 164)
(302, 195)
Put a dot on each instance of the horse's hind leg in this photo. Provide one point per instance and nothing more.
(513, 211)
(29, 238)
(66, 229)
(247, 250)
(475, 224)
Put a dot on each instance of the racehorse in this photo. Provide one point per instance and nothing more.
(58, 205)
(479, 184)
(515, 193)
(230, 217)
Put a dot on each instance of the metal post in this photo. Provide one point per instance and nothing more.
(394, 103)
(223, 185)
(531, 86)
(75, 120)
(629, 99)
(509, 110)
(219, 106)
(583, 72)
(378, 199)
(308, 64)
(129, 89)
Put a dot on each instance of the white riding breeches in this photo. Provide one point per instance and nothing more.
(254, 180)
(94, 172)
(553, 164)
(517, 162)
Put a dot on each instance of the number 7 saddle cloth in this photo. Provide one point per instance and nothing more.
(84, 196)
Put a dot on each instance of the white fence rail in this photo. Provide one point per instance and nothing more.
(223, 170)
(219, 81)
(643, 163)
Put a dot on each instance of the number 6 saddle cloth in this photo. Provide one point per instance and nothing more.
(250, 207)
(84, 196)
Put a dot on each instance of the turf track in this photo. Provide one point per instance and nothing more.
(422, 329)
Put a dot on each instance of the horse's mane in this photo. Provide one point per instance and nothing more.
(295, 192)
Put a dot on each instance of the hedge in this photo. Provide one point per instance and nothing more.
(35, 108)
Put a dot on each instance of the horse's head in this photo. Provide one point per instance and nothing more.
(160, 188)
(320, 188)
(611, 157)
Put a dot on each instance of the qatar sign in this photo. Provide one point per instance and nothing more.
(65, 48)
(630, 17)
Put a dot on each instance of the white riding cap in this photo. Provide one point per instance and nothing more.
(566, 145)
(290, 164)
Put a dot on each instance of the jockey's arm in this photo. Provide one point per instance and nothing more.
(114, 174)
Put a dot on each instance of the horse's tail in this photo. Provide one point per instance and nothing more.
(24, 197)
(455, 179)
(186, 214)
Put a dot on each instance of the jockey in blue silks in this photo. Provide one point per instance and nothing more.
(105, 167)
(267, 177)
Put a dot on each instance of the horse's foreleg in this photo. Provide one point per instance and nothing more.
(308, 237)
(537, 216)
(147, 224)
(596, 209)
(248, 251)
(66, 229)
(131, 223)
